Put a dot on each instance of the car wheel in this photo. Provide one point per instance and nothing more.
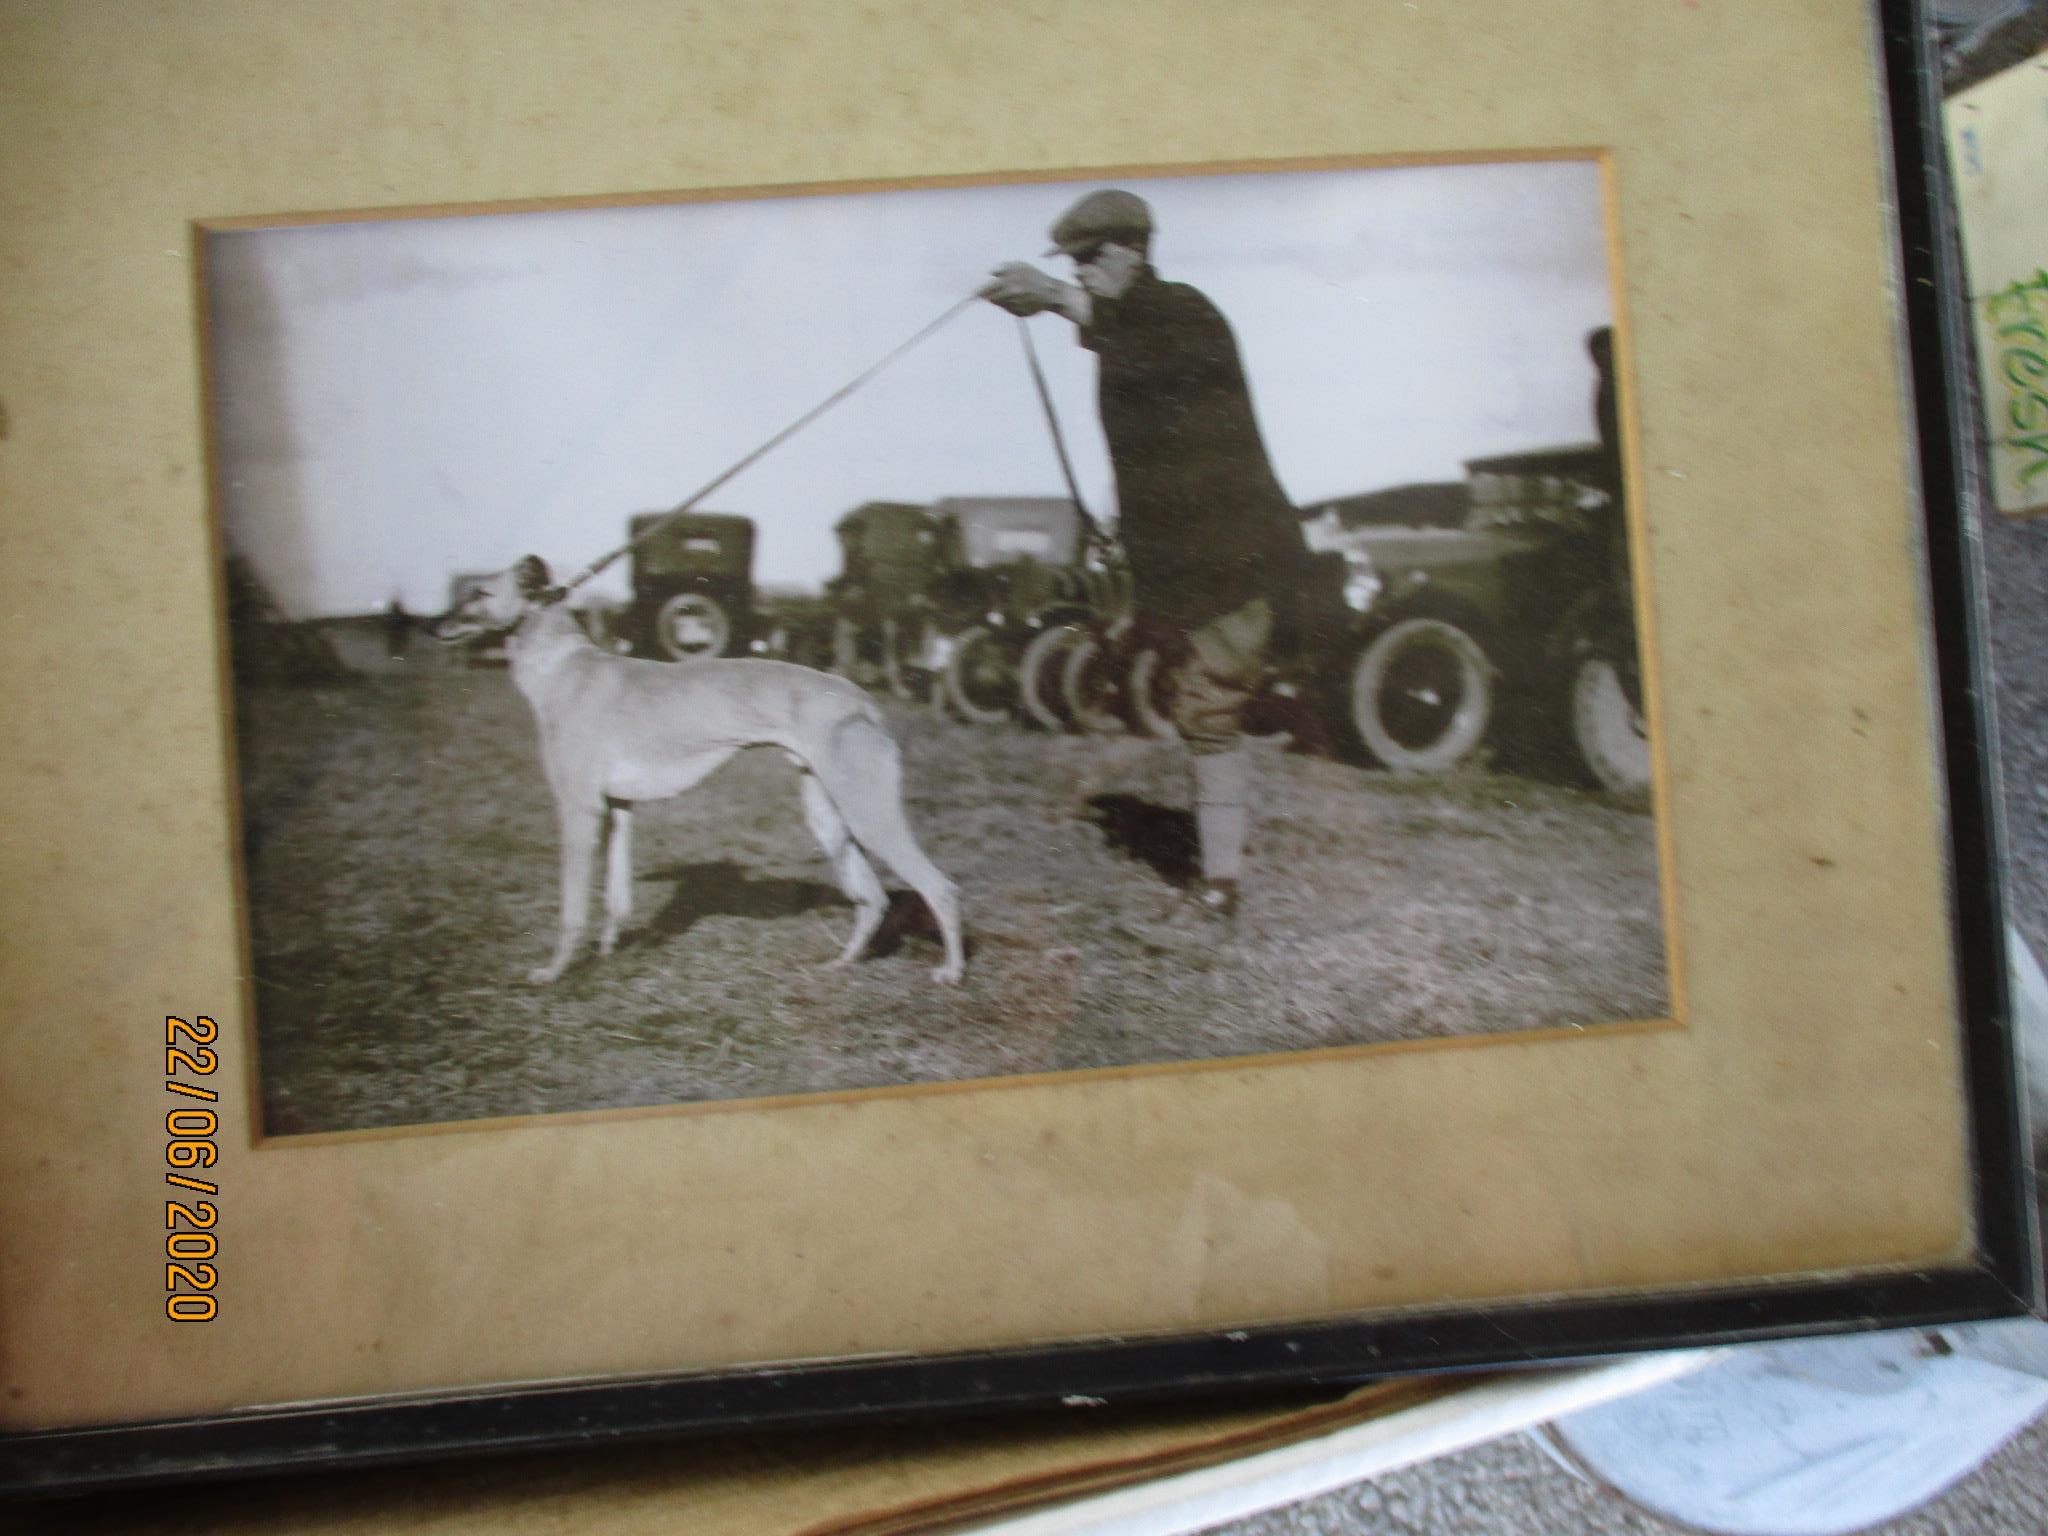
(1608, 728)
(1039, 674)
(1088, 686)
(1148, 696)
(1421, 696)
(981, 678)
(692, 625)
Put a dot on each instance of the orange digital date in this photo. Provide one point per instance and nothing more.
(190, 1243)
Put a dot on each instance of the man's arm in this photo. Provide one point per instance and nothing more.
(1022, 289)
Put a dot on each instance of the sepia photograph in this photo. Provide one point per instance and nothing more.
(828, 641)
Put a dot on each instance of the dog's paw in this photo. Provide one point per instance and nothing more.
(949, 975)
(543, 975)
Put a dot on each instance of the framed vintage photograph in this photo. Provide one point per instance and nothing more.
(883, 715)
(1019, 694)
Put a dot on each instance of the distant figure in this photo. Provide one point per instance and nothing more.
(1606, 411)
(1214, 544)
(1607, 416)
(397, 630)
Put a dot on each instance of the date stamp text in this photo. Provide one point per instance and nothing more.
(191, 1245)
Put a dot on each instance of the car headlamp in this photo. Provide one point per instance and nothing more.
(1362, 583)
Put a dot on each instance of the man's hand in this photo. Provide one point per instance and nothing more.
(1022, 289)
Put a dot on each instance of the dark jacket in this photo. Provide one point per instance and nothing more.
(1201, 514)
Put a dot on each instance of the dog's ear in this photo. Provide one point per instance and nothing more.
(532, 575)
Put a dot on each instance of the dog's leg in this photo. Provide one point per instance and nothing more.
(580, 828)
(864, 780)
(618, 874)
(856, 876)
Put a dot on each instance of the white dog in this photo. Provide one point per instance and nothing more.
(614, 731)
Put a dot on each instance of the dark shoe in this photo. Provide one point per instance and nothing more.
(1197, 925)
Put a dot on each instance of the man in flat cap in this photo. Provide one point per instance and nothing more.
(1214, 544)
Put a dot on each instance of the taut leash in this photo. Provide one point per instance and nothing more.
(780, 437)
(1052, 420)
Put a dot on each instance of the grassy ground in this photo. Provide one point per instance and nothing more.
(402, 880)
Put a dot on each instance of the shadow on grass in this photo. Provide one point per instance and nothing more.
(721, 888)
(907, 918)
(1153, 834)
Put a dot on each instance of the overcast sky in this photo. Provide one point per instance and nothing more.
(401, 400)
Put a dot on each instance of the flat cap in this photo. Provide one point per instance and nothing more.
(1100, 216)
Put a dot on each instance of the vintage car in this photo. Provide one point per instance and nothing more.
(892, 556)
(947, 600)
(1512, 621)
(793, 623)
(1014, 574)
(693, 584)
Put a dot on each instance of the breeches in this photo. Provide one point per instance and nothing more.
(1223, 672)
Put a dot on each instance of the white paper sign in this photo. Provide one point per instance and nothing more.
(1998, 144)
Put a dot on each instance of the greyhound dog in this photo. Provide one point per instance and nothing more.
(614, 731)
